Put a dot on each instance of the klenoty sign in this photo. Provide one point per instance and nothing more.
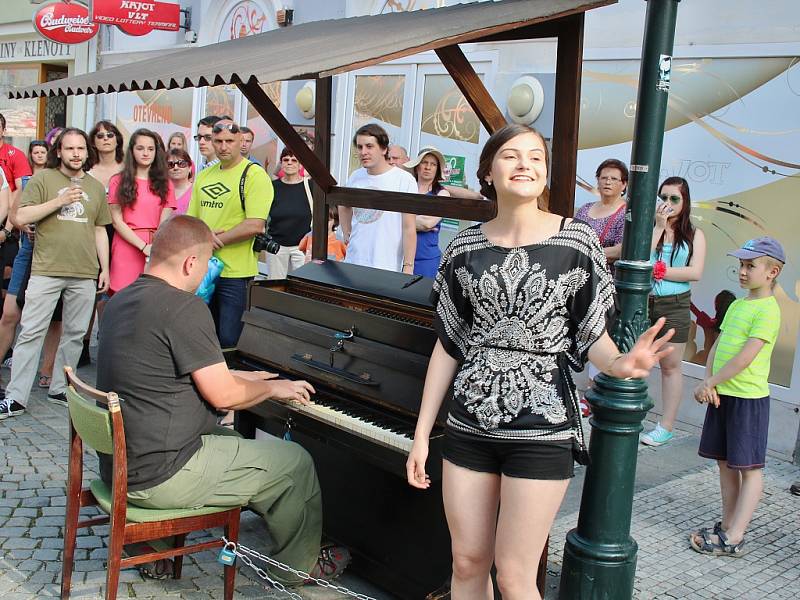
(35, 49)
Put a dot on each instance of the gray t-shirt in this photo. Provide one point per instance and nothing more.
(152, 337)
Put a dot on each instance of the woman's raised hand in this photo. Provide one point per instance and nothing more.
(645, 354)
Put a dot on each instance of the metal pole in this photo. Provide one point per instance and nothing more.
(600, 554)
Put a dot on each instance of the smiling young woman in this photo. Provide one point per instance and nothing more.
(520, 300)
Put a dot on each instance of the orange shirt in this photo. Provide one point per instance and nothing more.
(336, 248)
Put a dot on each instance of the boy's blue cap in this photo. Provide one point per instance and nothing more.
(762, 246)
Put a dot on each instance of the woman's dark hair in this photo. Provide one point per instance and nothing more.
(109, 126)
(286, 152)
(683, 229)
(376, 131)
(54, 162)
(157, 174)
(36, 144)
(497, 140)
(722, 302)
(436, 186)
(613, 163)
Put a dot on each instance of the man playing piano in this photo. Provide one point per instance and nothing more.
(159, 352)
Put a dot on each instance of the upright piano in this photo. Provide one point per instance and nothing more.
(363, 338)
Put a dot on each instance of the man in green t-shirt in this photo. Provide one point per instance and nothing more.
(235, 220)
(736, 389)
(70, 211)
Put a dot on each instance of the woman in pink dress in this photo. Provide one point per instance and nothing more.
(180, 172)
(140, 197)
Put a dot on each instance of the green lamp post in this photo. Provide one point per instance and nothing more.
(600, 554)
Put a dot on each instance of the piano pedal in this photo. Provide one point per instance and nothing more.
(287, 431)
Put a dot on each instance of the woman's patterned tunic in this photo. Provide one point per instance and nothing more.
(517, 319)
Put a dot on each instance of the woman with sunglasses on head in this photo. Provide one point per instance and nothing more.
(141, 197)
(179, 165)
(519, 301)
(427, 170)
(678, 256)
(289, 217)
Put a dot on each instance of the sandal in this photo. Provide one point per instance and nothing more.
(719, 548)
(699, 532)
(44, 380)
(158, 569)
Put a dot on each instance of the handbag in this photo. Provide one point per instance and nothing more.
(310, 198)
(609, 223)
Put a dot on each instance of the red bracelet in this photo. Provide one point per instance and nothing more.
(659, 270)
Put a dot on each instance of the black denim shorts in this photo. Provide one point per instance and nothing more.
(523, 459)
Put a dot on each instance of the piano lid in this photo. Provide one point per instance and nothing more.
(367, 280)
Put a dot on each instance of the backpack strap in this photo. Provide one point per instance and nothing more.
(241, 186)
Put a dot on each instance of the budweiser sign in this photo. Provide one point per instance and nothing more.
(65, 23)
(135, 17)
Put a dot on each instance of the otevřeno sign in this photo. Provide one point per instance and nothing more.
(65, 23)
(136, 17)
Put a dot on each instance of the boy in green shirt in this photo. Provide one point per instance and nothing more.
(736, 388)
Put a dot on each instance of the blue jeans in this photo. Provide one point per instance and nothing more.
(227, 307)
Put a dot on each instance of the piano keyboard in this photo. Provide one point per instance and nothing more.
(356, 419)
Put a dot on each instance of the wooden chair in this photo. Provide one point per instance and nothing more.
(101, 429)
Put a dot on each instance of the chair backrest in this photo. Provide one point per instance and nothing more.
(92, 423)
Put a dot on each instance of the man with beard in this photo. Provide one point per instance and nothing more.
(71, 252)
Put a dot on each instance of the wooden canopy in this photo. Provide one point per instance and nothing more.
(320, 49)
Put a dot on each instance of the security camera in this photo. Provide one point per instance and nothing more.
(190, 36)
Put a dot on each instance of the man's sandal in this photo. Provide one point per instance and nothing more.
(158, 569)
(719, 548)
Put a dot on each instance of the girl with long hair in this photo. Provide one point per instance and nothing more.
(520, 300)
(141, 197)
(427, 169)
(678, 256)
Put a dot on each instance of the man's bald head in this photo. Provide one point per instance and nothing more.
(397, 155)
(178, 236)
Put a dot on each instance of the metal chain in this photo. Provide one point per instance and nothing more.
(245, 553)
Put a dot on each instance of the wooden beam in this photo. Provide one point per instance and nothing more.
(535, 31)
(472, 87)
(567, 111)
(273, 116)
(322, 148)
(417, 204)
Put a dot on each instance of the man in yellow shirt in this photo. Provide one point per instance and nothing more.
(235, 218)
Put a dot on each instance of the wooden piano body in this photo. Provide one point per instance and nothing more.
(377, 335)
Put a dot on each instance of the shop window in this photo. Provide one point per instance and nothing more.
(21, 115)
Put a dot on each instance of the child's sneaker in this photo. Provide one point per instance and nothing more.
(657, 437)
(10, 408)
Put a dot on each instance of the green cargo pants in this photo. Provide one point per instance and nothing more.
(274, 477)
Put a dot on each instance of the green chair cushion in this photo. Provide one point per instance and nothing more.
(137, 514)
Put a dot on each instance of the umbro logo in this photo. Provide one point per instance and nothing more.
(215, 190)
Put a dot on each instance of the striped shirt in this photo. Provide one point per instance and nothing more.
(746, 319)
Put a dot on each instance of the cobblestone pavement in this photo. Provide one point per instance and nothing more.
(675, 492)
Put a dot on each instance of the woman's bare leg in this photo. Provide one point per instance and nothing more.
(470, 503)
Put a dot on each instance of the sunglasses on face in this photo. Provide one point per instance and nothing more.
(673, 199)
(219, 128)
(177, 163)
(289, 159)
(206, 137)
(104, 135)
